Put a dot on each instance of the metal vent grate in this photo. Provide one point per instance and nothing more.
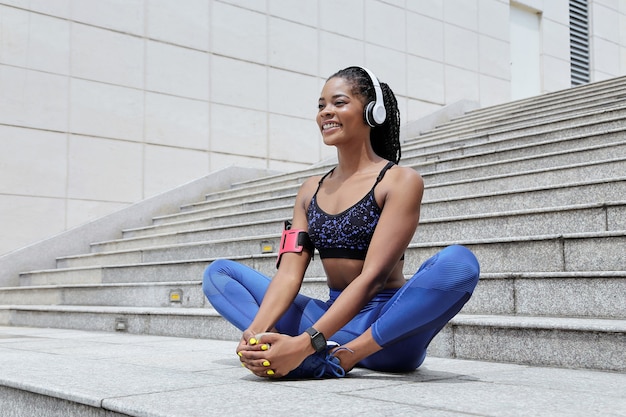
(579, 41)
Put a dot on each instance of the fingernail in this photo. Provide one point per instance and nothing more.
(240, 354)
(270, 372)
(266, 363)
(264, 347)
(253, 341)
(243, 365)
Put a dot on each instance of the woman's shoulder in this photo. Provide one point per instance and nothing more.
(311, 183)
(403, 181)
(308, 188)
(405, 175)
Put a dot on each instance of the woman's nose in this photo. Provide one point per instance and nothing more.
(326, 111)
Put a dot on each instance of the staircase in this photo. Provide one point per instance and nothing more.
(536, 188)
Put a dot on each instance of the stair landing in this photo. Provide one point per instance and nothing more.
(54, 372)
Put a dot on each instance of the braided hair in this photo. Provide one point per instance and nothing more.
(385, 138)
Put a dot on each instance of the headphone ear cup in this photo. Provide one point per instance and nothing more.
(368, 114)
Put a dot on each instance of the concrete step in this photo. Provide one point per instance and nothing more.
(512, 220)
(229, 239)
(539, 177)
(299, 176)
(178, 322)
(575, 94)
(536, 341)
(554, 195)
(606, 168)
(547, 341)
(229, 207)
(72, 373)
(605, 95)
(535, 146)
(589, 294)
(145, 294)
(545, 129)
(474, 165)
(181, 294)
(550, 105)
(207, 218)
(596, 251)
(570, 98)
(467, 155)
(549, 253)
(238, 196)
(531, 198)
(523, 117)
(452, 171)
(566, 220)
(602, 97)
(498, 140)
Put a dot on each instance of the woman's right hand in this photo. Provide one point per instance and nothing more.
(244, 343)
(248, 343)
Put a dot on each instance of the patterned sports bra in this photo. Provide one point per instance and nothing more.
(347, 234)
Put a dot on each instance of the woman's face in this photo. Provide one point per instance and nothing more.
(340, 114)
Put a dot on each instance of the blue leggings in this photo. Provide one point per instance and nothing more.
(403, 320)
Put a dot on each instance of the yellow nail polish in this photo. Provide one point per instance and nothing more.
(270, 372)
(243, 365)
(264, 347)
(266, 363)
(240, 354)
(253, 341)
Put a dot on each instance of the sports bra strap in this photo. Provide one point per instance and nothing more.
(378, 179)
(382, 173)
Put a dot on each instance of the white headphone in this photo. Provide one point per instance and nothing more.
(374, 112)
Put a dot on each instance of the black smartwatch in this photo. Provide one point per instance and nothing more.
(317, 340)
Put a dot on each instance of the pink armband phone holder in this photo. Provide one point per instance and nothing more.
(293, 241)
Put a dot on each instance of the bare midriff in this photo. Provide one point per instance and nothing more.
(341, 272)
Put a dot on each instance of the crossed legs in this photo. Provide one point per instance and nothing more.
(393, 336)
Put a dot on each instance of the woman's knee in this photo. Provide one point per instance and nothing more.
(462, 264)
(217, 268)
(462, 255)
(453, 268)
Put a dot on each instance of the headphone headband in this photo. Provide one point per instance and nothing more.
(375, 113)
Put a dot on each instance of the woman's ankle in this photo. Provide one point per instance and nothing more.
(346, 358)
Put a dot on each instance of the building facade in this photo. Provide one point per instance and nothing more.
(106, 102)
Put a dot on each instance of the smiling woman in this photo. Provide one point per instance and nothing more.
(360, 217)
(375, 98)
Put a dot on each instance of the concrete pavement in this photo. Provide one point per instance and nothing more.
(55, 372)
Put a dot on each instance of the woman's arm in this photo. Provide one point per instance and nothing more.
(288, 279)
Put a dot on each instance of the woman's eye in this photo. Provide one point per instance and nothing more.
(339, 103)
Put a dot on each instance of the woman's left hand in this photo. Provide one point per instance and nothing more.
(275, 354)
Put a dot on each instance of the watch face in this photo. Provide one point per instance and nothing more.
(318, 342)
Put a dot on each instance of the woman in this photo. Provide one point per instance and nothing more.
(360, 217)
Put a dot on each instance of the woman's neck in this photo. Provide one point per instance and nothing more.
(355, 163)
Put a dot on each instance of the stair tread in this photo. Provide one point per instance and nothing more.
(500, 320)
(542, 322)
(550, 236)
(483, 276)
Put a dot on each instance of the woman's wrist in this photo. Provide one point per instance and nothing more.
(305, 342)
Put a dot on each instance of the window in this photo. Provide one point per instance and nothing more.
(579, 41)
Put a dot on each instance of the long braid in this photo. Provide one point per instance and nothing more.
(385, 138)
